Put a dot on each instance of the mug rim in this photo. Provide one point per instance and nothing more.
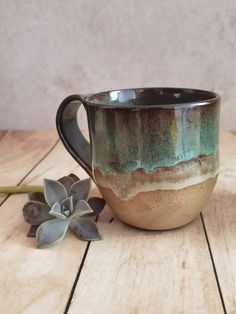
(211, 98)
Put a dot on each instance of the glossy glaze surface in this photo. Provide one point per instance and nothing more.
(154, 151)
(127, 140)
(155, 154)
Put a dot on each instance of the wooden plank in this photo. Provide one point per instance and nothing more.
(220, 221)
(135, 271)
(20, 151)
(32, 280)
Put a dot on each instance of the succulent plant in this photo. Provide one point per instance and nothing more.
(63, 204)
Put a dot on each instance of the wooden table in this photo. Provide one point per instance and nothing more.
(188, 270)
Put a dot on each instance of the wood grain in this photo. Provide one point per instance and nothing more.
(20, 151)
(220, 221)
(32, 280)
(130, 271)
(133, 271)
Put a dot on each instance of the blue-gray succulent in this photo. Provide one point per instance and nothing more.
(64, 204)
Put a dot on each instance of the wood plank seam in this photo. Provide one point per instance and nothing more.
(46, 168)
(110, 221)
(202, 296)
(213, 265)
(36, 164)
(187, 265)
(77, 278)
(78, 274)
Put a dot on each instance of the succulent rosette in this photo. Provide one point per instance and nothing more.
(64, 204)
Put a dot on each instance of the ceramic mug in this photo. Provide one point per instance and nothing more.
(153, 152)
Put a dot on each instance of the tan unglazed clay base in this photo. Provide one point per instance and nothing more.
(161, 209)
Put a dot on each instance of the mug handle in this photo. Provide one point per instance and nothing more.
(70, 133)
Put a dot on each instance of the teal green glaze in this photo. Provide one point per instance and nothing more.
(128, 139)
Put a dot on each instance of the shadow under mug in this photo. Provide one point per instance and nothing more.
(153, 152)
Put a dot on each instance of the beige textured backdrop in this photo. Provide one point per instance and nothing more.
(50, 49)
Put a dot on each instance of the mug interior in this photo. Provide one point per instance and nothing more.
(152, 97)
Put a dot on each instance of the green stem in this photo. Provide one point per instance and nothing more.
(21, 189)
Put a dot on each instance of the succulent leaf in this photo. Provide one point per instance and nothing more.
(74, 177)
(54, 191)
(66, 213)
(67, 181)
(81, 208)
(51, 232)
(36, 213)
(65, 199)
(37, 196)
(97, 204)
(68, 203)
(57, 212)
(80, 190)
(85, 229)
(32, 231)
